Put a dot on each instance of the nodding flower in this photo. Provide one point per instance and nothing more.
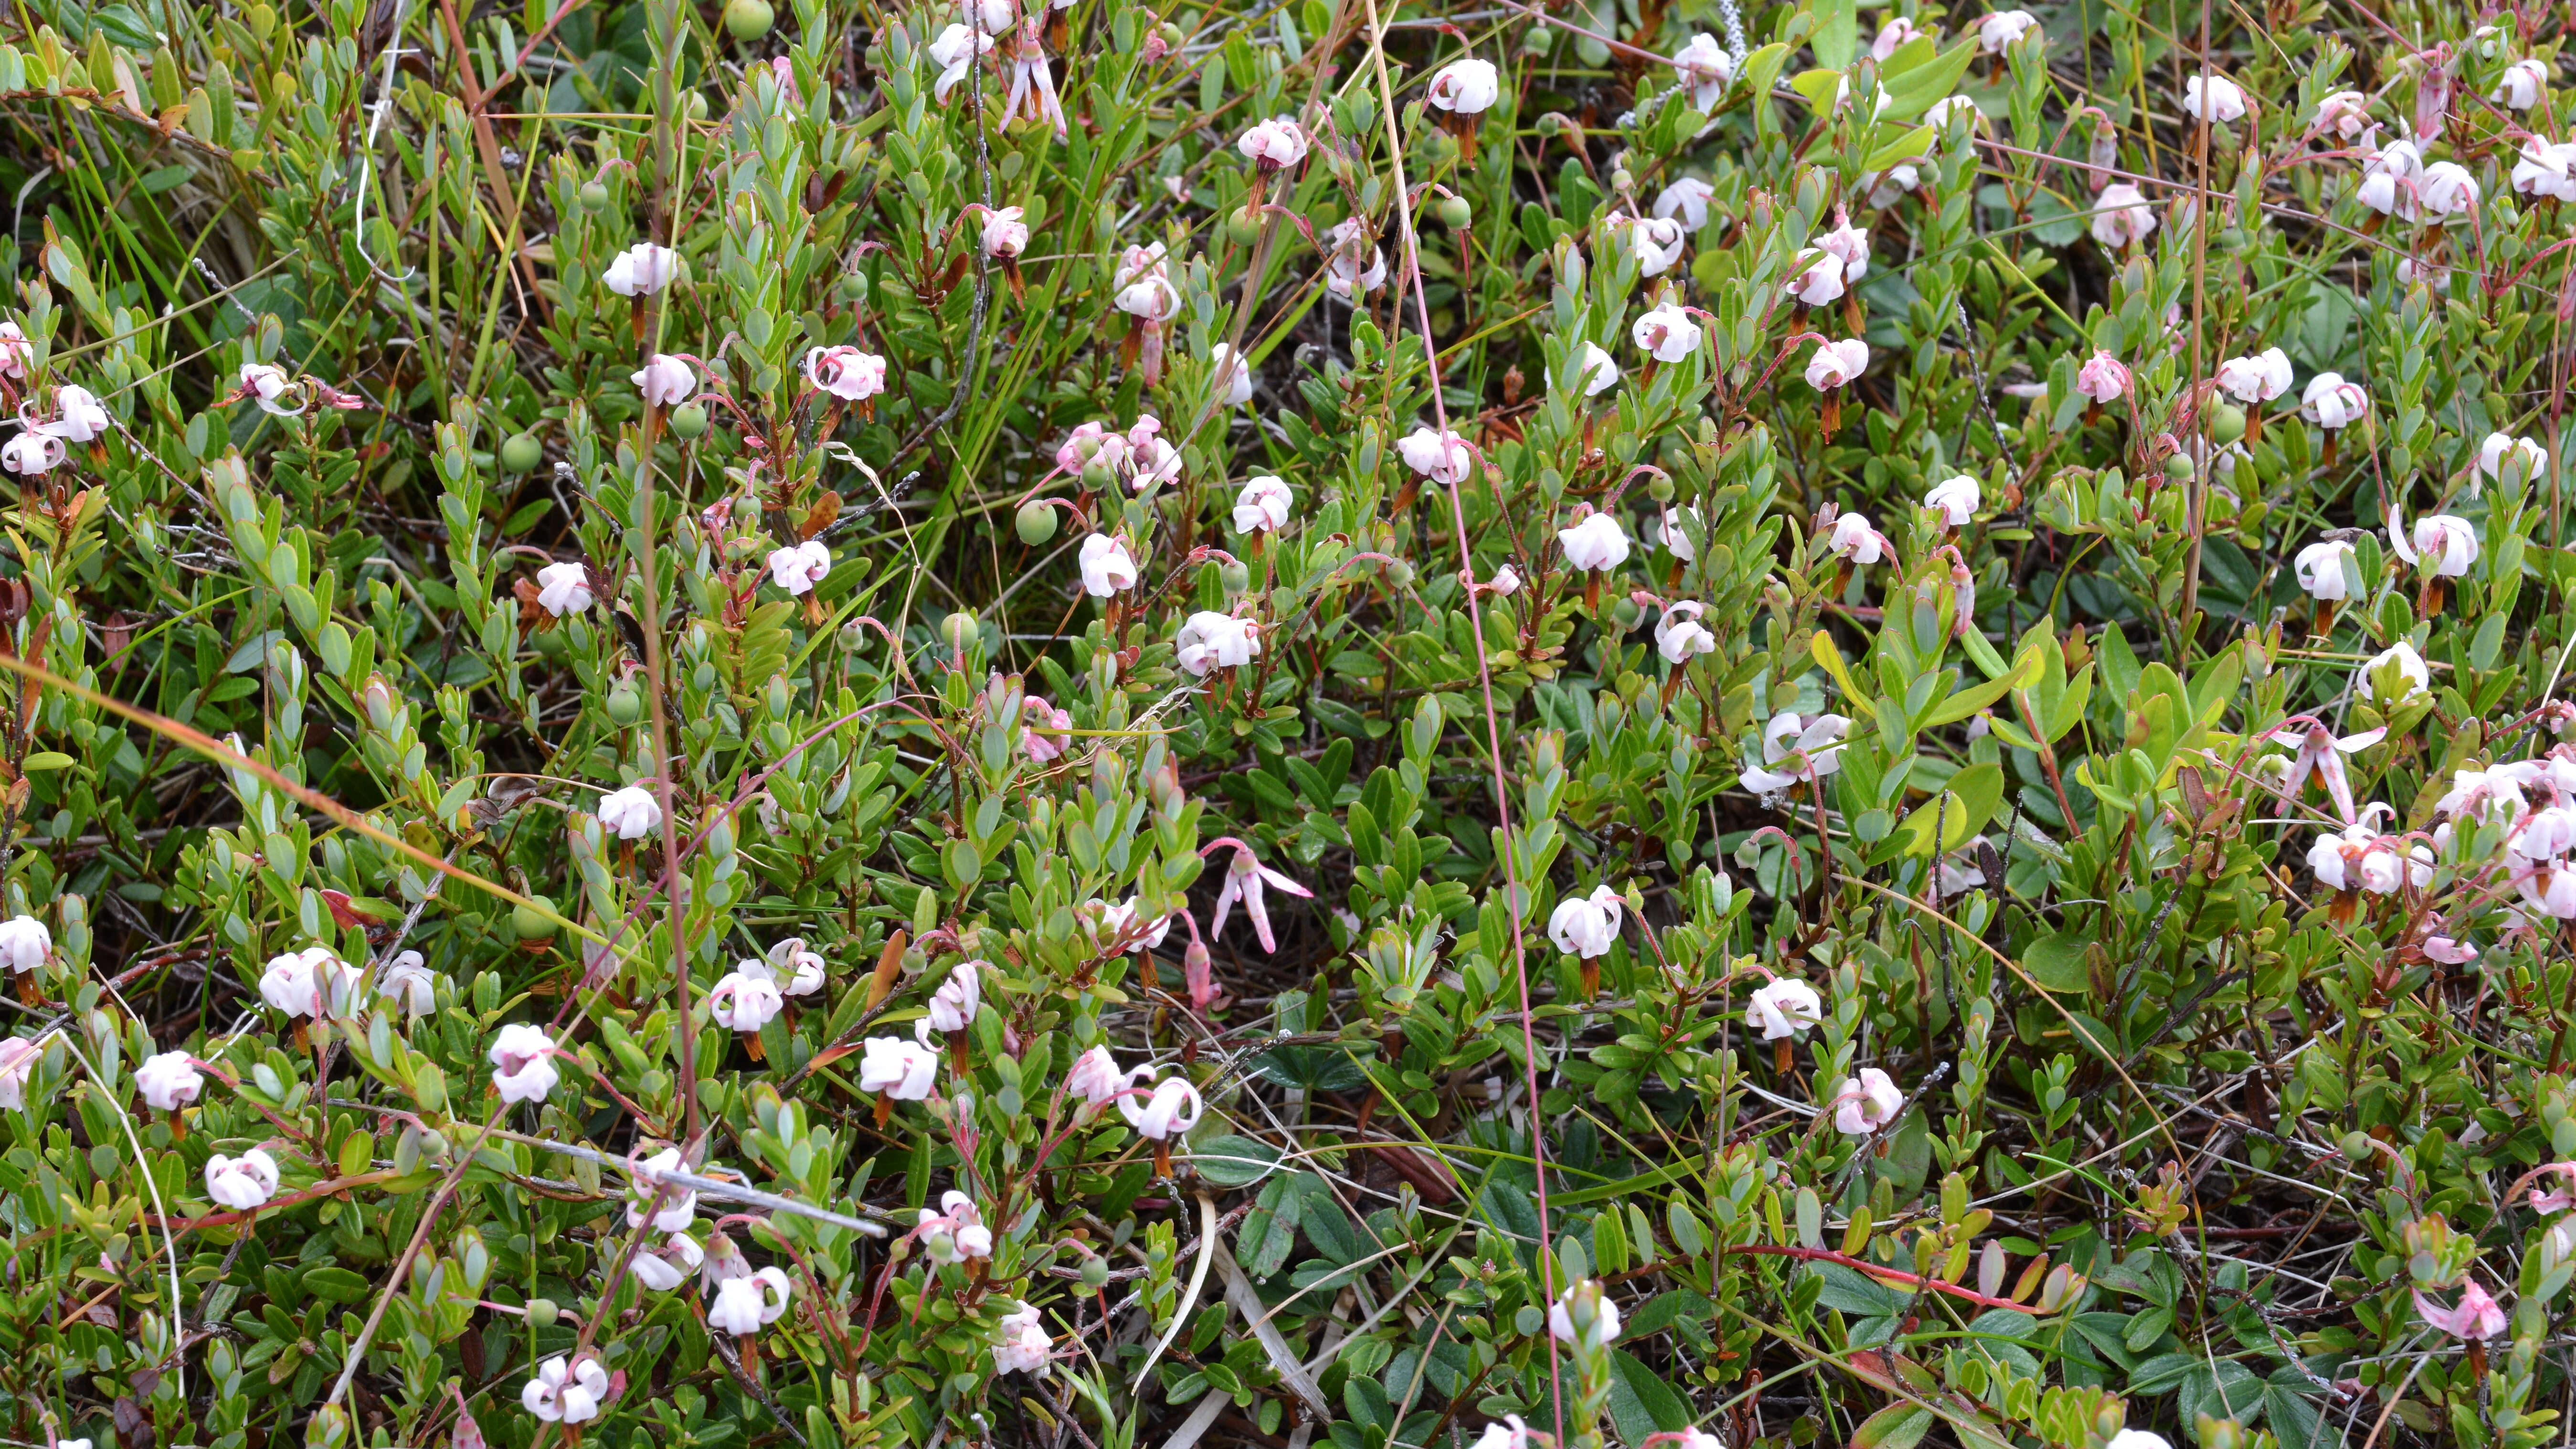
(1707, 68)
(846, 372)
(169, 1081)
(2501, 455)
(242, 1183)
(2327, 569)
(665, 381)
(2103, 378)
(1095, 1077)
(2408, 664)
(17, 354)
(1005, 233)
(2522, 85)
(2443, 545)
(1794, 747)
(1998, 31)
(523, 1068)
(1263, 505)
(1246, 879)
(1892, 38)
(1594, 541)
(1680, 636)
(2259, 378)
(1854, 541)
(1020, 1343)
(1865, 1104)
(954, 52)
(1837, 364)
(2330, 402)
(2320, 753)
(270, 384)
(641, 270)
(2213, 99)
(1170, 1110)
(2345, 116)
(1443, 457)
(1032, 91)
(32, 452)
(1209, 641)
(630, 813)
(1585, 926)
(1784, 1008)
(1584, 1317)
(1464, 87)
(745, 1306)
(2121, 217)
(1273, 145)
(1956, 499)
(799, 567)
(564, 588)
(1107, 567)
(1666, 334)
(1344, 276)
(1686, 201)
(904, 1071)
(748, 997)
(953, 1006)
(2475, 1318)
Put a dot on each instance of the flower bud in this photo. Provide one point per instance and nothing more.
(688, 420)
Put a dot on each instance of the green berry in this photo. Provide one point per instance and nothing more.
(1095, 1273)
(960, 629)
(532, 923)
(594, 197)
(1036, 522)
(696, 105)
(625, 703)
(1097, 477)
(1456, 214)
(1235, 574)
(854, 286)
(521, 451)
(748, 20)
(542, 1313)
(1243, 227)
(2178, 468)
(2226, 424)
(688, 420)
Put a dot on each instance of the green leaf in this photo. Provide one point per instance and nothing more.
(337, 1284)
(1232, 1161)
(48, 760)
(1898, 1426)
(2061, 962)
(1837, 37)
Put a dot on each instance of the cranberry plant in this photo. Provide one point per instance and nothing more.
(1736, 723)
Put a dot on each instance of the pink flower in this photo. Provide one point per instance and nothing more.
(846, 372)
(1865, 1104)
(2477, 1317)
(1835, 364)
(1042, 721)
(1273, 145)
(2560, 1198)
(665, 381)
(1245, 879)
(2103, 378)
(2321, 753)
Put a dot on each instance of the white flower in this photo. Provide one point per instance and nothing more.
(16, 352)
(1106, 566)
(82, 417)
(1467, 87)
(2259, 378)
(956, 1231)
(564, 588)
(744, 1306)
(1586, 925)
(1820, 281)
(641, 270)
(1264, 504)
(2387, 180)
(1273, 145)
(1885, 188)
(1657, 241)
(2409, 664)
(1784, 1008)
(1588, 370)
(24, 943)
(568, 1395)
(1866, 1104)
(2121, 216)
(1680, 636)
(268, 382)
(954, 53)
(1595, 541)
(1343, 273)
(630, 813)
(32, 452)
(1169, 1111)
(1686, 201)
(747, 998)
(1706, 68)
(1021, 1345)
(2522, 85)
(244, 1182)
(1506, 581)
(2498, 453)
(1210, 641)
(1442, 457)
(2330, 402)
(523, 1068)
(1233, 378)
(802, 966)
(901, 1069)
(1584, 1317)
(678, 1210)
(1511, 1433)
(1956, 499)
(1891, 38)
(168, 1081)
(1005, 233)
(2447, 189)
(1835, 364)
(2137, 1439)
(2320, 567)
(2001, 29)
(2385, 872)
(1095, 1078)
(665, 381)
(2214, 99)
(952, 1006)
(1150, 298)
(2441, 544)
(798, 569)
(2546, 169)
(1854, 541)
(312, 982)
(1673, 527)
(1666, 334)
(2103, 379)
(667, 1267)
(407, 981)
(846, 372)
(1793, 747)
